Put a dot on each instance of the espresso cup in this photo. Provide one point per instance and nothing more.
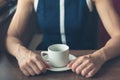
(58, 55)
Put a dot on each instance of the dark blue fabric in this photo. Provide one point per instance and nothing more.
(80, 25)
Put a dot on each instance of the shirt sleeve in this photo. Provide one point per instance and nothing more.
(35, 4)
(90, 5)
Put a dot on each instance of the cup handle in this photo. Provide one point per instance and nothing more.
(42, 55)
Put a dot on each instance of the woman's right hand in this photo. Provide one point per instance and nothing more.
(31, 63)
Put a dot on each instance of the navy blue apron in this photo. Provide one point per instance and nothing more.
(80, 25)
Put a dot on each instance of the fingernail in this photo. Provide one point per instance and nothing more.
(68, 66)
(27, 75)
(32, 74)
(73, 70)
(37, 73)
(87, 76)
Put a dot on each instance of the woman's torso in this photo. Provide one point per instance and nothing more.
(69, 22)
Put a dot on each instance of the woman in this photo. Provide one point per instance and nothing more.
(73, 22)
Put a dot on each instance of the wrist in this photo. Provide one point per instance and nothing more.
(103, 55)
(100, 54)
(20, 51)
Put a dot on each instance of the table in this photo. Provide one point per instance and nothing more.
(9, 70)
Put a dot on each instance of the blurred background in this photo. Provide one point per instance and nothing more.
(7, 9)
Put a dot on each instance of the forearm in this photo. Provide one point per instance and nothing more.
(111, 23)
(14, 46)
(17, 27)
(112, 48)
(108, 16)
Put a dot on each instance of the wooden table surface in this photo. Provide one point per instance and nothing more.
(9, 70)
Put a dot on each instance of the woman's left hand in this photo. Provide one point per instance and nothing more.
(87, 65)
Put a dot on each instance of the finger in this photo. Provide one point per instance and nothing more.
(91, 73)
(41, 65)
(82, 66)
(47, 65)
(30, 70)
(25, 72)
(71, 63)
(44, 62)
(87, 69)
(76, 64)
(35, 67)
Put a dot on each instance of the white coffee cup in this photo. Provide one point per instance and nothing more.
(58, 55)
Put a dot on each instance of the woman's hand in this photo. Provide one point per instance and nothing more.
(31, 63)
(87, 65)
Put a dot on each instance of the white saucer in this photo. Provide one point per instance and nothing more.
(71, 57)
